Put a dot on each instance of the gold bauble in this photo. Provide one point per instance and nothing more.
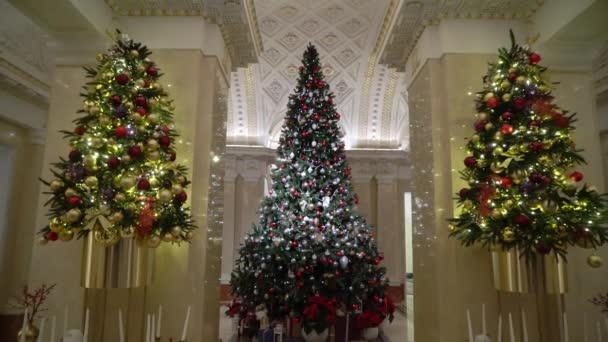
(489, 126)
(508, 235)
(153, 241)
(505, 85)
(547, 144)
(189, 236)
(176, 231)
(524, 148)
(55, 225)
(43, 241)
(498, 136)
(106, 237)
(467, 204)
(125, 159)
(120, 197)
(132, 207)
(475, 137)
(498, 150)
(177, 189)
(56, 185)
(127, 182)
(496, 214)
(99, 57)
(506, 97)
(152, 144)
(153, 118)
(451, 227)
(153, 155)
(96, 142)
(488, 96)
(140, 82)
(157, 86)
(134, 53)
(483, 116)
(116, 217)
(66, 235)
(521, 80)
(509, 204)
(167, 237)
(133, 91)
(544, 160)
(165, 195)
(104, 121)
(136, 117)
(141, 127)
(127, 232)
(594, 261)
(73, 215)
(170, 166)
(141, 68)
(512, 70)
(91, 181)
(171, 107)
(89, 160)
(94, 110)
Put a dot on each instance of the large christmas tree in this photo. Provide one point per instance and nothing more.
(120, 172)
(310, 245)
(522, 192)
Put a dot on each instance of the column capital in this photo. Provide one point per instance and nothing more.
(251, 169)
(37, 136)
(386, 172)
(362, 171)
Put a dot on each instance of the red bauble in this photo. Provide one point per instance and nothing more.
(506, 129)
(576, 176)
(470, 161)
(113, 162)
(115, 100)
(120, 131)
(75, 156)
(536, 146)
(308, 84)
(330, 100)
(74, 201)
(513, 76)
(122, 79)
(181, 197)
(172, 156)
(80, 130)
(533, 124)
(337, 116)
(355, 306)
(141, 111)
(316, 117)
(561, 121)
(273, 224)
(140, 100)
(522, 220)
(300, 284)
(301, 68)
(506, 182)
(519, 103)
(52, 236)
(299, 274)
(507, 116)
(321, 84)
(543, 248)
(143, 184)
(134, 151)
(492, 102)
(146, 84)
(164, 141)
(534, 58)
(152, 71)
(166, 129)
(480, 125)
(304, 107)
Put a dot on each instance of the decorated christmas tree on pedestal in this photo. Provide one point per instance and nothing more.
(311, 251)
(522, 192)
(120, 180)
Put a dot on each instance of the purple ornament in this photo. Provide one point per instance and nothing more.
(108, 194)
(131, 131)
(77, 172)
(531, 89)
(120, 111)
(527, 187)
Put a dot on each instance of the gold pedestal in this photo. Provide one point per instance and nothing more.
(542, 274)
(126, 264)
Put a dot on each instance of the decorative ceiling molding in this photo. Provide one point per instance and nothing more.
(415, 15)
(236, 19)
(349, 35)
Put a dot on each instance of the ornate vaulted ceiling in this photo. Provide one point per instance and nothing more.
(348, 35)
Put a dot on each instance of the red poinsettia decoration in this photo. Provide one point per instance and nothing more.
(234, 309)
(369, 319)
(319, 313)
(387, 309)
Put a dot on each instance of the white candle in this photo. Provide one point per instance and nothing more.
(499, 334)
(53, 323)
(41, 332)
(121, 332)
(511, 330)
(186, 324)
(565, 319)
(524, 325)
(160, 318)
(152, 330)
(22, 337)
(598, 328)
(470, 325)
(85, 335)
(148, 328)
(484, 331)
(65, 321)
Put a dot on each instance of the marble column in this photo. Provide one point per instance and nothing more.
(391, 239)
(250, 190)
(364, 187)
(229, 244)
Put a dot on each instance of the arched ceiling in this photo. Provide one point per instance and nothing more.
(348, 35)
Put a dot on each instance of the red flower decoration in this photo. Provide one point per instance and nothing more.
(122, 79)
(576, 176)
(492, 102)
(534, 58)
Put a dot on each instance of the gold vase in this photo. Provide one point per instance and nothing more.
(514, 273)
(125, 264)
(31, 332)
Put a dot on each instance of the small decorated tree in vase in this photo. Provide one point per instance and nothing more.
(120, 179)
(32, 303)
(523, 192)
